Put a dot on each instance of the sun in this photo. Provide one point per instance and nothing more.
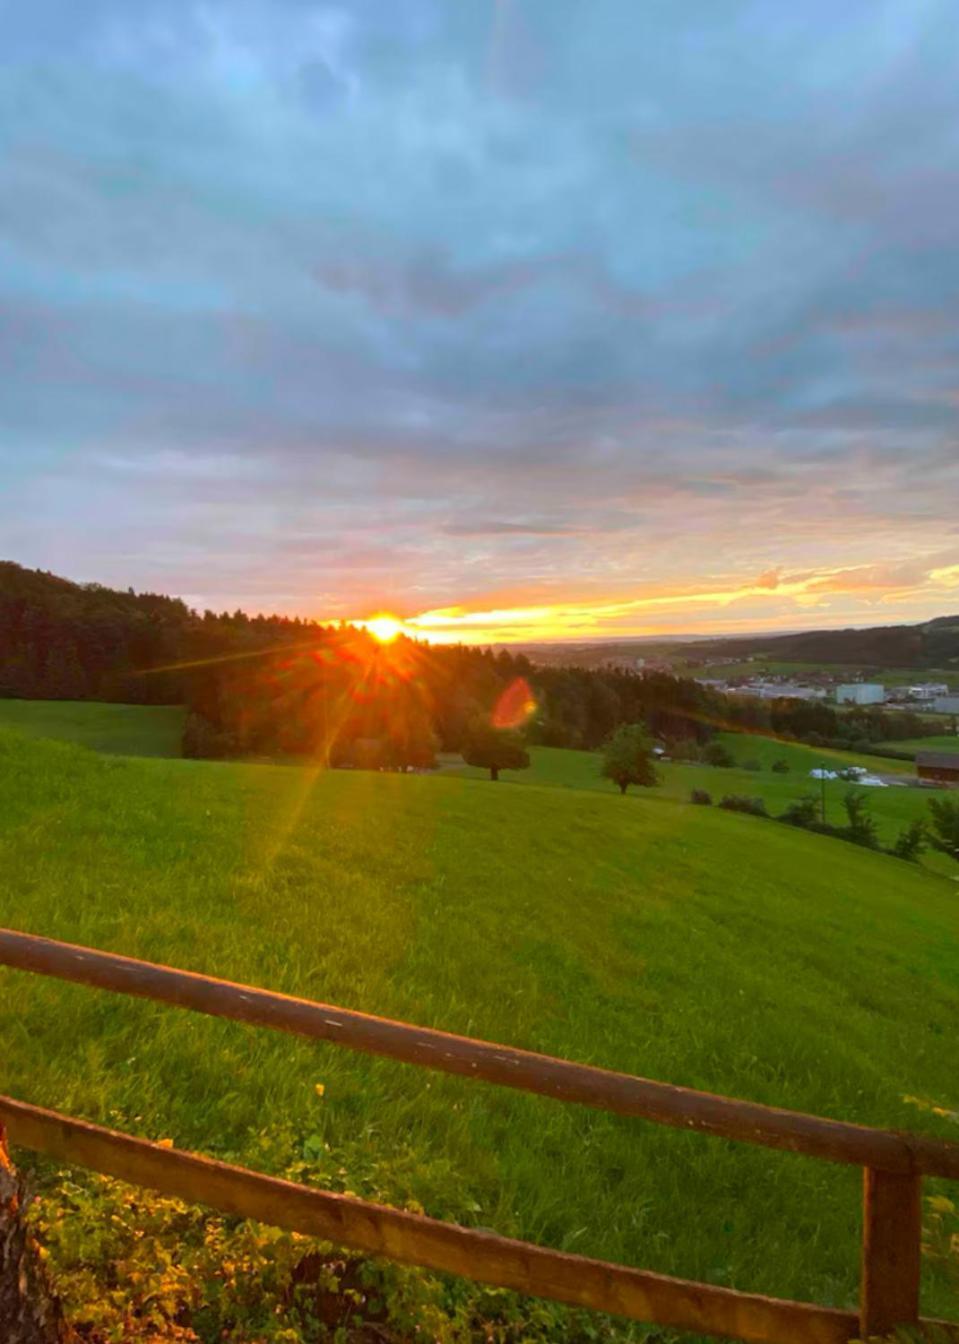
(384, 628)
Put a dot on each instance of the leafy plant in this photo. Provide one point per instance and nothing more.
(911, 841)
(803, 812)
(736, 802)
(701, 797)
(862, 827)
(945, 824)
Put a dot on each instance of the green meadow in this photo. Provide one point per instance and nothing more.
(941, 742)
(134, 730)
(893, 807)
(642, 933)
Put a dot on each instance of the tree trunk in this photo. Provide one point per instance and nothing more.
(29, 1312)
(494, 772)
(624, 787)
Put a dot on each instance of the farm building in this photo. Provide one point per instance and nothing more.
(946, 704)
(942, 766)
(860, 693)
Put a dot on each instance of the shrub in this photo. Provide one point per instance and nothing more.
(714, 753)
(911, 841)
(736, 802)
(945, 824)
(702, 797)
(862, 828)
(201, 738)
(803, 812)
(780, 767)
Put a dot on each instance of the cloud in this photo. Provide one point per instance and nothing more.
(353, 305)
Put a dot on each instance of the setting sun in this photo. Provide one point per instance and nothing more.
(384, 628)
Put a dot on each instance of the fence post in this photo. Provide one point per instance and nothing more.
(891, 1249)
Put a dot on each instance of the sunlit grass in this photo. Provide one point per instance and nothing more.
(672, 941)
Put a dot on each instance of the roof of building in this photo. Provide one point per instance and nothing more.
(938, 759)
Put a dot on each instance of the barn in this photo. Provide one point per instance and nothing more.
(942, 767)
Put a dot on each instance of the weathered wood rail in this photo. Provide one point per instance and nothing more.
(893, 1164)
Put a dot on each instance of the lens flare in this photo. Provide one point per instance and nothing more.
(515, 705)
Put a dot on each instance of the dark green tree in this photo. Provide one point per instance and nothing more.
(494, 749)
(945, 825)
(627, 758)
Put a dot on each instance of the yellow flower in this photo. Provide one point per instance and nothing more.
(319, 1089)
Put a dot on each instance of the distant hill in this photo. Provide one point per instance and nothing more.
(932, 644)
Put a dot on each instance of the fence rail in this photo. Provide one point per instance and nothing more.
(894, 1163)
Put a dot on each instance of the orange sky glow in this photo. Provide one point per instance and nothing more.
(861, 595)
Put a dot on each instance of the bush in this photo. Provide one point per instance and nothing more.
(862, 828)
(911, 841)
(716, 754)
(202, 739)
(701, 797)
(803, 812)
(945, 825)
(736, 802)
(780, 767)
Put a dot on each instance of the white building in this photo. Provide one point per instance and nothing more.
(928, 690)
(946, 704)
(778, 690)
(860, 693)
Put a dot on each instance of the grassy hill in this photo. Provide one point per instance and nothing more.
(893, 807)
(940, 742)
(643, 934)
(129, 730)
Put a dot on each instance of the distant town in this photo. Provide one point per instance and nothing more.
(932, 696)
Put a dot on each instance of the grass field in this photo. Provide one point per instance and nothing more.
(893, 808)
(942, 742)
(643, 934)
(132, 730)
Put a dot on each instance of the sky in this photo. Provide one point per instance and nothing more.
(516, 318)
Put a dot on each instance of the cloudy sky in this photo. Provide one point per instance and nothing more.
(540, 317)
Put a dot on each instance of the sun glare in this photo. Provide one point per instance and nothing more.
(384, 628)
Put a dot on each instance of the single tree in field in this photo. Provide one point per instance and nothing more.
(945, 825)
(627, 757)
(494, 749)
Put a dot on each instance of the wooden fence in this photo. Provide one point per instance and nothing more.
(893, 1165)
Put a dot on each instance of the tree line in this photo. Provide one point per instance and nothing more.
(275, 684)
